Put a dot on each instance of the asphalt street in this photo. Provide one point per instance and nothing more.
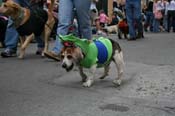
(38, 86)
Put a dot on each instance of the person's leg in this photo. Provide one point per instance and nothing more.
(147, 21)
(11, 40)
(130, 19)
(83, 17)
(65, 17)
(168, 21)
(156, 25)
(12, 36)
(151, 21)
(173, 20)
(138, 18)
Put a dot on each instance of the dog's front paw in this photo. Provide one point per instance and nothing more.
(88, 83)
(42, 55)
(102, 77)
(117, 82)
(21, 57)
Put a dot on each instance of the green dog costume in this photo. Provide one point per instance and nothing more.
(99, 51)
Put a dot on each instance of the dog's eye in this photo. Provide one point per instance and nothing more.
(62, 56)
(5, 5)
(69, 57)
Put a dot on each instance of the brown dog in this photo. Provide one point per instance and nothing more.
(29, 23)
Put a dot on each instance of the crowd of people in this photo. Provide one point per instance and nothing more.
(160, 16)
(154, 16)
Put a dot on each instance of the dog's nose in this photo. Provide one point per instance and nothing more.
(64, 65)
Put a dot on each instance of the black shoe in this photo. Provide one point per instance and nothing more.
(8, 53)
(140, 35)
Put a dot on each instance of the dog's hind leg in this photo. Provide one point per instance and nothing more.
(106, 70)
(25, 44)
(119, 62)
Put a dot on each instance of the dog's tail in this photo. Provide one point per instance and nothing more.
(51, 5)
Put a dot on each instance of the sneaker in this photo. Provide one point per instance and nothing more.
(8, 53)
(52, 55)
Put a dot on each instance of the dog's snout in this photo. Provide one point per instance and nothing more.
(64, 65)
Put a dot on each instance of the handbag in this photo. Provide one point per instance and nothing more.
(158, 15)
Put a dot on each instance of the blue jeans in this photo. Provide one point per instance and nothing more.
(156, 24)
(11, 37)
(66, 15)
(165, 20)
(133, 15)
(149, 20)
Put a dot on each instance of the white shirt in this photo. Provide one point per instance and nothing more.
(171, 5)
(160, 5)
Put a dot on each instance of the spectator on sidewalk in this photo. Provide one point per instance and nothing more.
(149, 16)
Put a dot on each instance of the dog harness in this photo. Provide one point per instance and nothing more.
(35, 24)
(99, 51)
